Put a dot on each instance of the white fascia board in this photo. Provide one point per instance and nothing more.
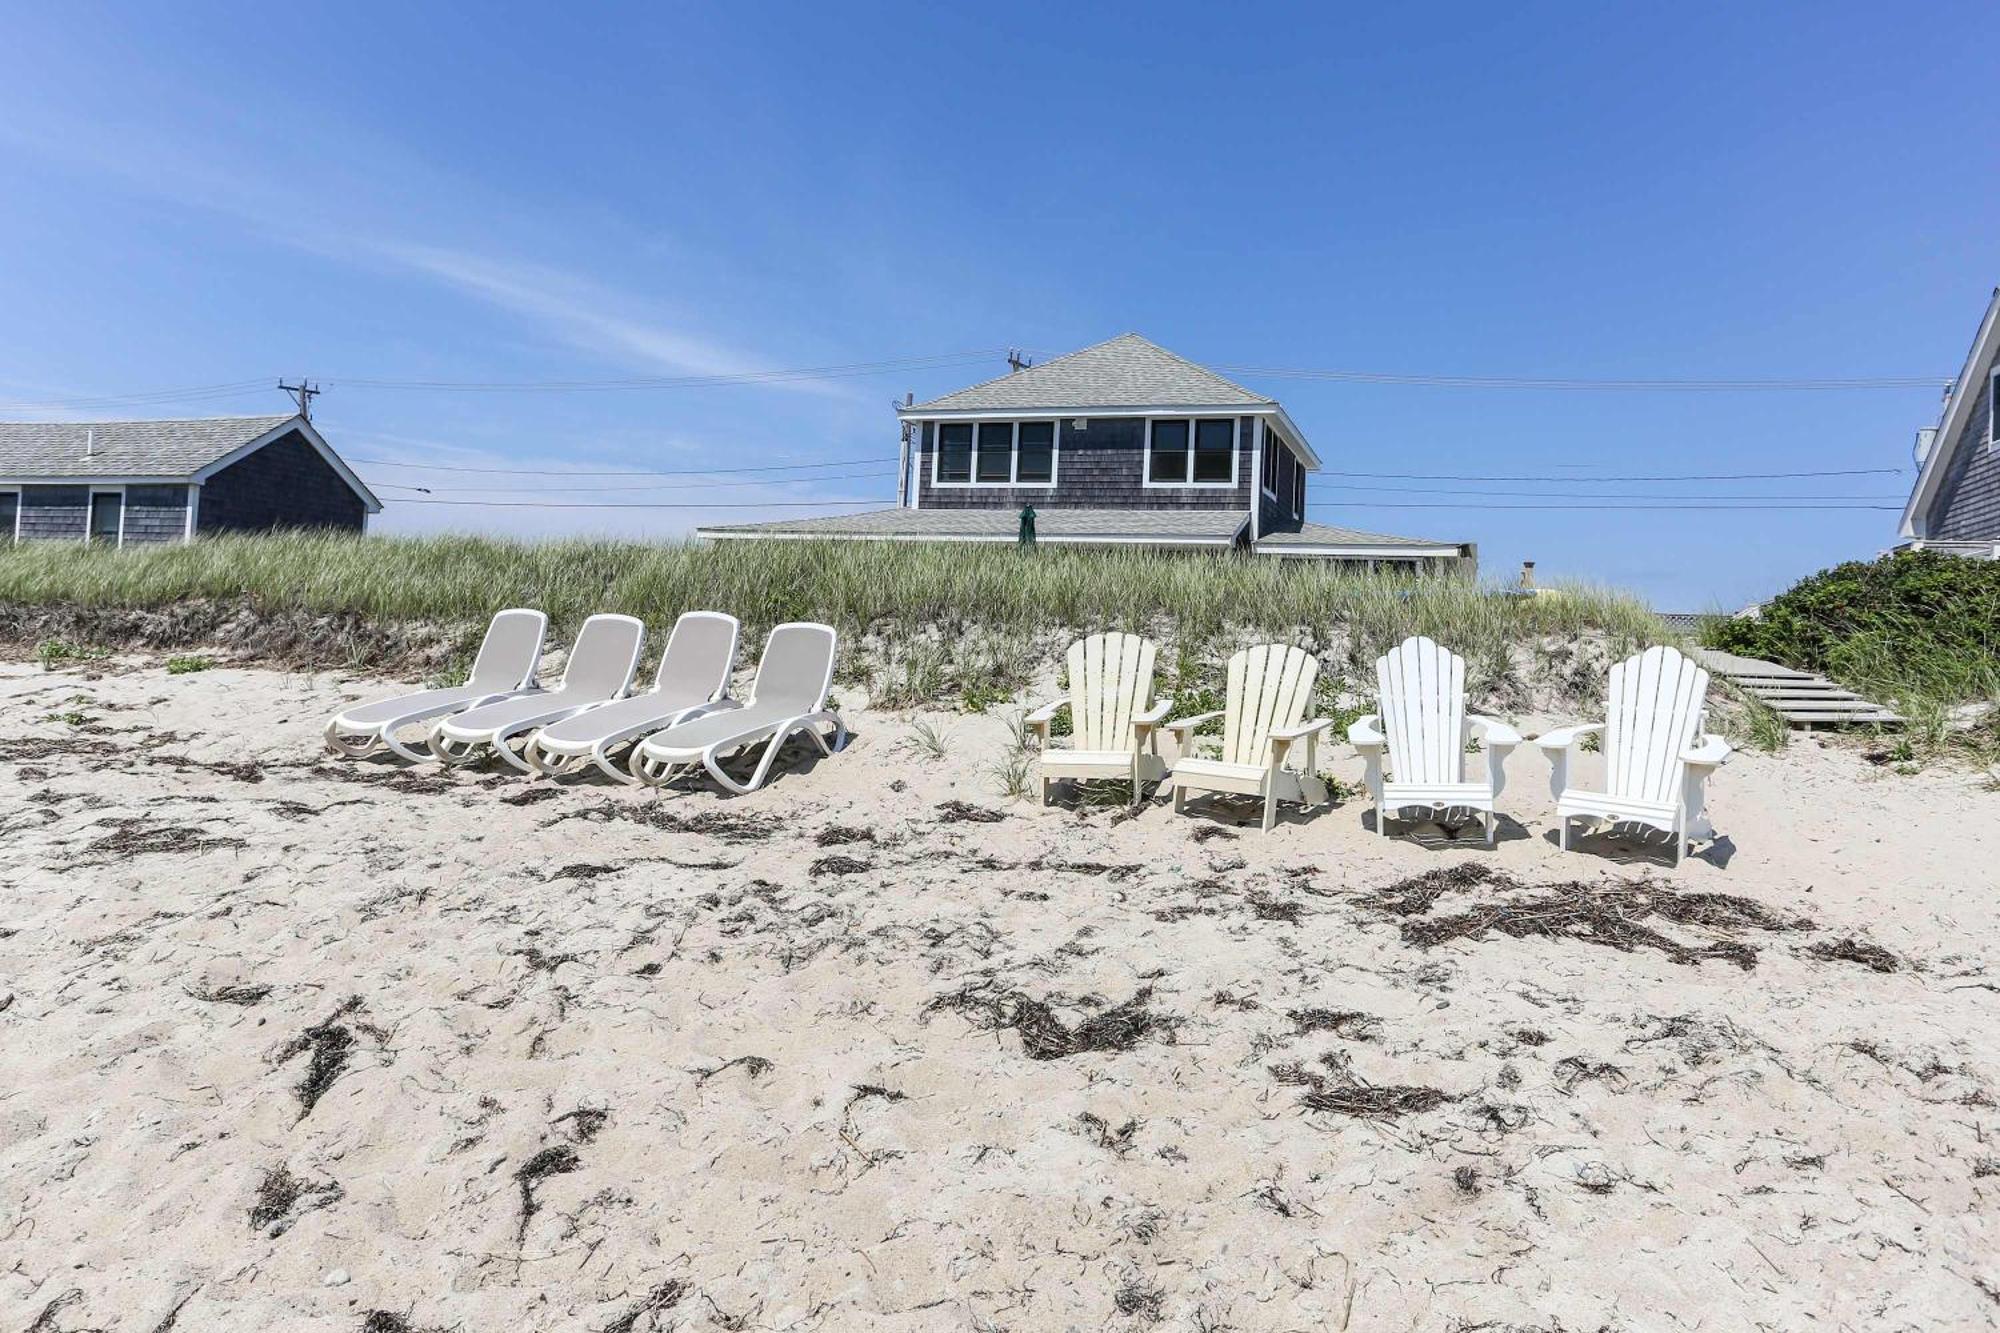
(121, 480)
(1951, 425)
(707, 534)
(1368, 552)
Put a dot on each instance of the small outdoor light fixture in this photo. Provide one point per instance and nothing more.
(1027, 525)
(1079, 423)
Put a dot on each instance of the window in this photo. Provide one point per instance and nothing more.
(1298, 492)
(1993, 410)
(10, 515)
(1273, 444)
(1180, 452)
(954, 454)
(995, 453)
(107, 516)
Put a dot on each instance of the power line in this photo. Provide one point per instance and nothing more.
(937, 361)
(1642, 385)
(571, 472)
(557, 504)
(628, 488)
(1401, 504)
(1593, 495)
(1691, 476)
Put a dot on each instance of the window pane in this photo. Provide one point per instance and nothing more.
(954, 451)
(1272, 444)
(1167, 459)
(996, 450)
(1299, 492)
(1037, 452)
(1214, 450)
(104, 517)
(10, 507)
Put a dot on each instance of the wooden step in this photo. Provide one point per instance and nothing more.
(1799, 697)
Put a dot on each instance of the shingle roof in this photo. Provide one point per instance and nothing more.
(1311, 536)
(1126, 372)
(173, 449)
(1175, 527)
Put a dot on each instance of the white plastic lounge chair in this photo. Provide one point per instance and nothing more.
(788, 696)
(600, 667)
(504, 669)
(1657, 757)
(1270, 687)
(1113, 719)
(1422, 729)
(693, 679)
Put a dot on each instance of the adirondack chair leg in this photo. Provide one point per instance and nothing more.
(1563, 840)
(1180, 800)
(1135, 782)
(1492, 828)
(1270, 800)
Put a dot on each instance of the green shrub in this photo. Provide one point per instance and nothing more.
(181, 666)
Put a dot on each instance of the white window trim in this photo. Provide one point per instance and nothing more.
(1992, 411)
(1235, 456)
(1013, 453)
(15, 534)
(91, 504)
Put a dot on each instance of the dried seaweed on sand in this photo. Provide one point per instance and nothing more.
(1586, 913)
(1044, 1036)
(1343, 1091)
(1847, 949)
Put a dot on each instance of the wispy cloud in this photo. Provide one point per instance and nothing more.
(568, 307)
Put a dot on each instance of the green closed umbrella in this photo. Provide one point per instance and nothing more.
(1027, 525)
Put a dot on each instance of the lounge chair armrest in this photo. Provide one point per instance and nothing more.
(1497, 733)
(1155, 715)
(1365, 732)
(1046, 714)
(1286, 735)
(1564, 737)
(1707, 752)
(1182, 726)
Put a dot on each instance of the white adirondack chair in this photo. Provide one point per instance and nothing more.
(1657, 757)
(1421, 728)
(1114, 721)
(1270, 688)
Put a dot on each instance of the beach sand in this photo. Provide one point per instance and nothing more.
(295, 1043)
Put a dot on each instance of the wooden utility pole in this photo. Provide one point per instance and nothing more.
(303, 394)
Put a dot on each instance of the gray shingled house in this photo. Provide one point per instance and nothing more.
(146, 482)
(1122, 443)
(1955, 505)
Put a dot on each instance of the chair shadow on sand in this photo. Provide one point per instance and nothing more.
(1448, 831)
(1636, 844)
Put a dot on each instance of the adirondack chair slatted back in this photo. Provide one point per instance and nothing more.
(1423, 711)
(1110, 682)
(1656, 704)
(605, 653)
(1270, 688)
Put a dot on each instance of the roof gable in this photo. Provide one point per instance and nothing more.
(1126, 372)
(1954, 421)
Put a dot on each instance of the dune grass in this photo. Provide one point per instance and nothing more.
(945, 606)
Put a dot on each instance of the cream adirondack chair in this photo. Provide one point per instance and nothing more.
(1270, 688)
(1421, 728)
(1114, 721)
(1657, 756)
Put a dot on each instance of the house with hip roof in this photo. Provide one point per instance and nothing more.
(1955, 505)
(136, 483)
(1120, 444)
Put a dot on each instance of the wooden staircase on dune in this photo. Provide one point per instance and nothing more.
(1801, 698)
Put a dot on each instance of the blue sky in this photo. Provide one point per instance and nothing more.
(198, 195)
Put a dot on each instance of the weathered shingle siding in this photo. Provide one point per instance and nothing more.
(55, 513)
(1102, 466)
(1967, 504)
(286, 484)
(155, 514)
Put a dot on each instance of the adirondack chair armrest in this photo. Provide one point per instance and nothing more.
(1708, 752)
(1498, 734)
(1182, 726)
(1046, 714)
(1564, 737)
(1286, 735)
(1155, 715)
(1365, 732)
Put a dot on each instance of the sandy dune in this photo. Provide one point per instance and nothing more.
(585, 1059)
